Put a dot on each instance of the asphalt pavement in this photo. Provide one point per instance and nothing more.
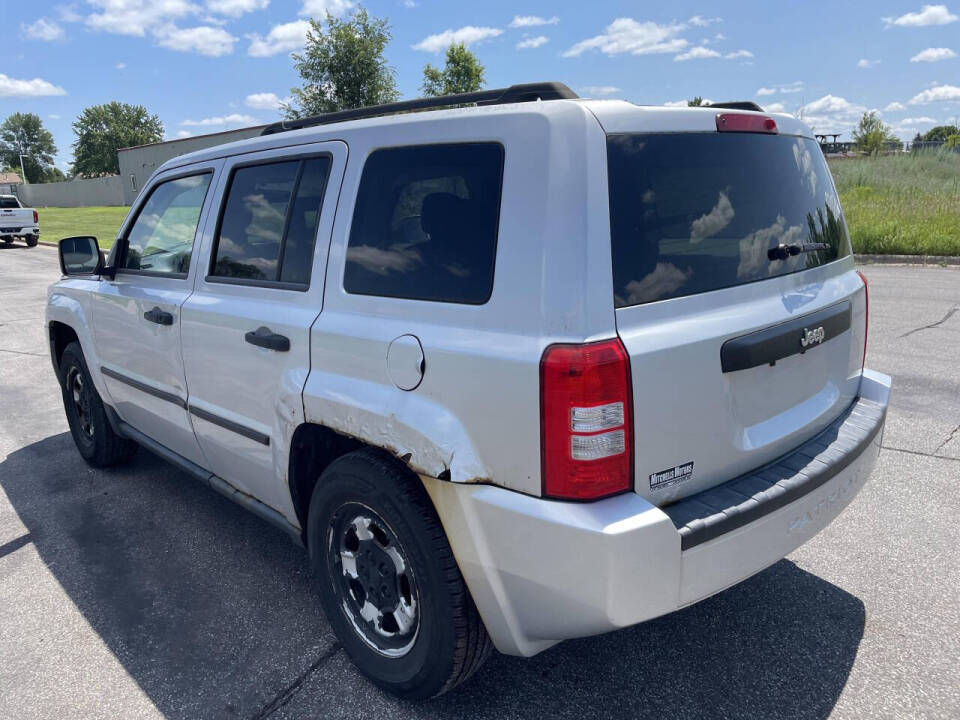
(139, 593)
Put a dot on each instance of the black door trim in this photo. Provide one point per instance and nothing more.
(143, 387)
(230, 425)
(765, 347)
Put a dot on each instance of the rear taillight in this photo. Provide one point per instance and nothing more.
(866, 317)
(36, 218)
(585, 420)
(735, 122)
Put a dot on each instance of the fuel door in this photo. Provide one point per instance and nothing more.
(405, 362)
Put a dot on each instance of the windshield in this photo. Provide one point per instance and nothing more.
(693, 212)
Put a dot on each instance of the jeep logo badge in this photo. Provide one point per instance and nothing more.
(812, 337)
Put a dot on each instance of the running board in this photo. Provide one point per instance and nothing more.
(212, 481)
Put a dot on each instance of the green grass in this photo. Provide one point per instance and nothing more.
(102, 222)
(901, 204)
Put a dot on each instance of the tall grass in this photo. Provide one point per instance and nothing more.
(901, 204)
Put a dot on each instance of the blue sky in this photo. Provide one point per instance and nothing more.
(208, 65)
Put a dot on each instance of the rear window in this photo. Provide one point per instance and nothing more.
(425, 223)
(8, 203)
(693, 212)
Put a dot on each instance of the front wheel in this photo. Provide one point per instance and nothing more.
(389, 583)
(92, 433)
(32, 240)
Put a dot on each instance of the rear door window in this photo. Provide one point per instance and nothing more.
(693, 212)
(268, 227)
(425, 223)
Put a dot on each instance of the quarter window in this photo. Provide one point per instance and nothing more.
(161, 239)
(269, 223)
(425, 223)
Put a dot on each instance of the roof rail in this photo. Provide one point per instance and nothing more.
(737, 105)
(528, 92)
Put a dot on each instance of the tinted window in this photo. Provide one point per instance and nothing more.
(692, 212)
(425, 223)
(269, 222)
(161, 239)
(8, 202)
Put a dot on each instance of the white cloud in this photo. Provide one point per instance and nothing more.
(235, 8)
(520, 21)
(205, 40)
(467, 35)
(37, 87)
(894, 106)
(788, 88)
(832, 105)
(281, 38)
(53, 116)
(135, 17)
(68, 13)
(774, 107)
(696, 53)
(626, 35)
(409, 4)
(940, 93)
(600, 90)
(700, 21)
(320, 8)
(924, 120)
(265, 101)
(933, 55)
(714, 221)
(928, 15)
(42, 29)
(120, 66)
(832, 113)
(233, 119)
(184, 134)
(865, 64)
(533, 42)
(738, 54)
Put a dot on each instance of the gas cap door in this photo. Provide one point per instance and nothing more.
(405, 362)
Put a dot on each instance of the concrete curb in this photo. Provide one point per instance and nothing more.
(938, 260)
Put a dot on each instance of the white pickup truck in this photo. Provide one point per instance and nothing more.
(16, 221)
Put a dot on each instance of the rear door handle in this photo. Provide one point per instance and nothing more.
(266, 338)
(158, 316)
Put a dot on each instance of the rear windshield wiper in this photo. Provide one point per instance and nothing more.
(783, 251)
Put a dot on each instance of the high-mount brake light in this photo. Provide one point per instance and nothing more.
(585, 421)
(866, 317)
(738, 122)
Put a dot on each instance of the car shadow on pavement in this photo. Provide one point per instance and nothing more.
(213, 613)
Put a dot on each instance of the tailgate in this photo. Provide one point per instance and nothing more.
(737, 302)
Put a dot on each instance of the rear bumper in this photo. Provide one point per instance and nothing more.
(22, 232)
(542, 571)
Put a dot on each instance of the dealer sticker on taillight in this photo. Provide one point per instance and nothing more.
(671, 476)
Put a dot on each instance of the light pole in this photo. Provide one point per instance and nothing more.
(23, 173)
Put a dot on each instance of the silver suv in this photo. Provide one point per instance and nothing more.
(523, 371)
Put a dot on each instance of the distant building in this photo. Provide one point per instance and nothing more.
(9, 182)
(138, 163)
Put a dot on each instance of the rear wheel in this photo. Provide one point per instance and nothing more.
(92, 433)
(388, 580)
(32, 240)
(7, 239)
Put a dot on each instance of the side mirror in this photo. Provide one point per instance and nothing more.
(80, 256)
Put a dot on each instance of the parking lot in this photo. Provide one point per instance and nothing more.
(139, 593)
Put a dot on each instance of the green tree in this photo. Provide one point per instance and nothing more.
(696, 102)
(940, 133)
(952, 142)
(23, 133)
(103, 129)
(462, 73)
(871, 135)
(344, 67)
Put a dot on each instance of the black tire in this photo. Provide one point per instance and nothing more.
(7, 240)
(450, 642)
(92, 433)
(32, 240)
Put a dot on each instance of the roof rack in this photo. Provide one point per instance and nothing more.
(737, 105)
(528, 92)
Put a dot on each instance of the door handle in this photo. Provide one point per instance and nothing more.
(158, 316)
(266, 338)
